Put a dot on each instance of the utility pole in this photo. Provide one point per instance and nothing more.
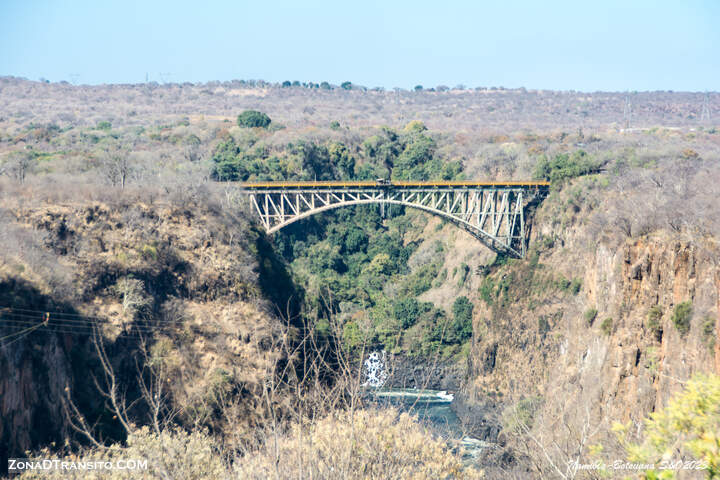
(705, 114)
(627, 111)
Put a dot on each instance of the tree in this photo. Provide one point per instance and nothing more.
(117, 166)
(346, 85)
(406, 311)
(19, 165)
(462, 318)
(342, 160)
(688, 428)
(682, 316)
(253, 119)
(565, 166)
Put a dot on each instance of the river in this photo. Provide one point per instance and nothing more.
(434, 408)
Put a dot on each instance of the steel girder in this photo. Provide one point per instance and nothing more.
(495, 216)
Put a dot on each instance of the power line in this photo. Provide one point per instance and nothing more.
(4, 309)
(27, 320)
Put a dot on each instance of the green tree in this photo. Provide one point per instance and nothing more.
(688, 428)
(681, 317)
(346, 85)
(406, 311)
(315, 161)
(355, 240)
(414, 160)
(564, 166)
(341, 159)
(462, 318)
(253, 119)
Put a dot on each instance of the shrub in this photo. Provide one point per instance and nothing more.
(689, 153)
(104, 125)
(463, 271)
(590, 315)
(654, 322)
(363, 444)
(565, 166)
(543, 325)
(606, 326)
(688, 427)
(562, 283)
(149, 252)
(652, 360)
(519, 418)
(486, 290)
(575, 286)
(681, 317)
(421, 280)
(406, 311)
(253, 119)
(169, 454)
(462, 318)
(708, 332)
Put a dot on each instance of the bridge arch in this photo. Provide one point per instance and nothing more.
(494, 213)
(486, 239)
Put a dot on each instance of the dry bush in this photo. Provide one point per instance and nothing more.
(366, 444)
(169, 454)
(370, 444)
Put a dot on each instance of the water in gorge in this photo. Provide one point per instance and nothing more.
(431, 406)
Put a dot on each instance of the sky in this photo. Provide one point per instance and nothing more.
(562, 45)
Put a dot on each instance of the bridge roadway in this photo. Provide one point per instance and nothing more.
(394, 183)
(493, 212)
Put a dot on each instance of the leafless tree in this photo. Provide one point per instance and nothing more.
(117, 166)
(19, 165)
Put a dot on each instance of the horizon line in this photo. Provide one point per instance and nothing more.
(311, 85)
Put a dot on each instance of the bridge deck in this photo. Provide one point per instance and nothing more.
(395, 183)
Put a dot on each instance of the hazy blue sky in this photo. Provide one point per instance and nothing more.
(581, 45)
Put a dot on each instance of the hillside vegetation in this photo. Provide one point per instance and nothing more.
(120, 214)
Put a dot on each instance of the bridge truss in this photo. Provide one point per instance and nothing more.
(492, 212)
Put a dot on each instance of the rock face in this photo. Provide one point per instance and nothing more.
(33, 381)
(202, 282)
(424, 373)
(599, 341)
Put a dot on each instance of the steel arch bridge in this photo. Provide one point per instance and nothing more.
(493, 212)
